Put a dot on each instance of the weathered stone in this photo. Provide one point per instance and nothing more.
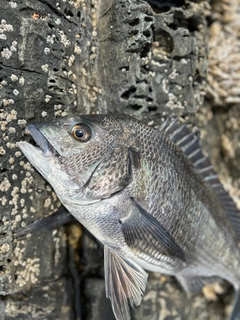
(148, 59)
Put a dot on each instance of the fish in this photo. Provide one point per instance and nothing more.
(150, 196)
(53, 221)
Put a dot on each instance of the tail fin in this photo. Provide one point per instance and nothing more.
(236, 307)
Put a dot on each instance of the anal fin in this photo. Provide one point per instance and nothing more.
(236, 307)
(195, 284)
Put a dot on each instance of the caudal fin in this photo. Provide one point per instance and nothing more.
(236, 307)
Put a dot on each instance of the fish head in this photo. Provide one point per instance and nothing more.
(78, 157)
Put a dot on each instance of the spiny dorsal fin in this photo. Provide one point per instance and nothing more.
(188, 142)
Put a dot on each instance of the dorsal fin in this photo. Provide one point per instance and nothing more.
(188, 142)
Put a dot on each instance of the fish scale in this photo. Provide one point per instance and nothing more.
(150, 196)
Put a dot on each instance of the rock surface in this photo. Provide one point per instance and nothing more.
(147, 59)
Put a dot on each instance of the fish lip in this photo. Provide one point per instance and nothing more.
(42, 143)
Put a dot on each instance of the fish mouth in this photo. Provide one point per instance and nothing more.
(41, 142)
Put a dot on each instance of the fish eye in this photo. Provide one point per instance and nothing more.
(81, 132)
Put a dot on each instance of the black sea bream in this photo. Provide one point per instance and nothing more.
(150, 197)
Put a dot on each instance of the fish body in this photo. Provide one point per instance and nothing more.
(150, 196)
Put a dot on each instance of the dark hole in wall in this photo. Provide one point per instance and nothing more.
(165, 41)
(57, 50)
(152, 109)
(127, 93)
(145, 50)
(2, 268)
(68, 12)
(145, 69)
(134, 22)
(159, 6)
(133, 32)
(134, 107)
(4, 170)
(3, 234)
(193, 24)
(147, 33)
(142, 81)
(148, 19)
(149, 99)
(198, 77)
(51, 26)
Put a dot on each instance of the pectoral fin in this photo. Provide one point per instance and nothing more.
(125, 283)
(142, 231)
